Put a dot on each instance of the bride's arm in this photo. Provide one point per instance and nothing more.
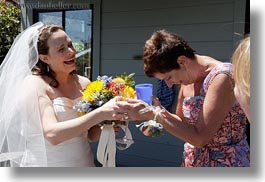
(57, 132)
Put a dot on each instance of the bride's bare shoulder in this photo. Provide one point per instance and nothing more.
(83, 81)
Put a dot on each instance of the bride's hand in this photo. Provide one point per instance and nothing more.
(107, 108)
(132, 110)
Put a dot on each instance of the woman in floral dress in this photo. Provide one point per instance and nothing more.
(228, 146)
(208, 117)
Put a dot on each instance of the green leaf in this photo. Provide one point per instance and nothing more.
(9, 27)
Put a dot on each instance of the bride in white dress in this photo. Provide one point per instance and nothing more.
(38, 126)
(75, 152)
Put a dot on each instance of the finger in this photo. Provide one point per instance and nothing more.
(118, 98)
(126, 116)
(123, 105)
(118, 116)
(156, 101)
(133, 101)
(144, 110)
(118, 109)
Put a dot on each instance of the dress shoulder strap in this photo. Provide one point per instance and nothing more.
(223, 68)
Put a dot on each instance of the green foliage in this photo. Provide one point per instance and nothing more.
(79, 46)
(129, 80)
(9, 27)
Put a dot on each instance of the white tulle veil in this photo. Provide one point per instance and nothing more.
(21, 138)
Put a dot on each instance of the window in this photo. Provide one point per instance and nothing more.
(77, 23)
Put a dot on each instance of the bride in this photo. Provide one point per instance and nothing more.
(38, 126)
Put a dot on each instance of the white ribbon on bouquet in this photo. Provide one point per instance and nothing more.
(106, 151)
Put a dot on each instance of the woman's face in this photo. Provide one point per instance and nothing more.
(173, 77)
(61, 55)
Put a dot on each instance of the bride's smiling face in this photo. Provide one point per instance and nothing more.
(61, 55)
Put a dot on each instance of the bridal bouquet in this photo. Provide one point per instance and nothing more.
(95, 95)
(103, 89)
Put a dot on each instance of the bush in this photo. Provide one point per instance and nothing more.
(9, 27)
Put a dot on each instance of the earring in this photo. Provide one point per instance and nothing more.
(48, 68)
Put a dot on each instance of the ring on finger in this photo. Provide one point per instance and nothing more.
(126, 116)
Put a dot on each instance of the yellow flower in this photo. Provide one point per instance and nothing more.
(92, 88)
(129, 92)
(81, 113)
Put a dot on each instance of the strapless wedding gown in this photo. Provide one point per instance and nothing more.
(75, 152)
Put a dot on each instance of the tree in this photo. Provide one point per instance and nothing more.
(9, 27)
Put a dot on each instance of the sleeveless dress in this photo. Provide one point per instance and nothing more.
(228, 147)
(75, 152)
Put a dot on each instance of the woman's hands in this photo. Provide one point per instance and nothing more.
(107, 111)
(134, 110)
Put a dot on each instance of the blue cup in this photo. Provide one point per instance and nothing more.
(144, 92)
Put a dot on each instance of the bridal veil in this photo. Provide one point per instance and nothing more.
(21, 136)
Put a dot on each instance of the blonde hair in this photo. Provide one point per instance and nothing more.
(241, 66)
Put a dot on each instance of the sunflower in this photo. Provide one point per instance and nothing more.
(129, 92)
(92, 89)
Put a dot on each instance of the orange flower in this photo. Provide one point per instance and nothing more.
(119, 80)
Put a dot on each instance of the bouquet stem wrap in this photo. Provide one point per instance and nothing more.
(106, 151)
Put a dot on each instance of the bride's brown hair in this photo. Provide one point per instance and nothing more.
(42, 68)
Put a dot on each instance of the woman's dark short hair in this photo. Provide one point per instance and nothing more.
(162, 50)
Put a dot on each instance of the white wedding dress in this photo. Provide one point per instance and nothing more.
(75, 152)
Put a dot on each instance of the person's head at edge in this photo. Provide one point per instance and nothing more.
(241, 73)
